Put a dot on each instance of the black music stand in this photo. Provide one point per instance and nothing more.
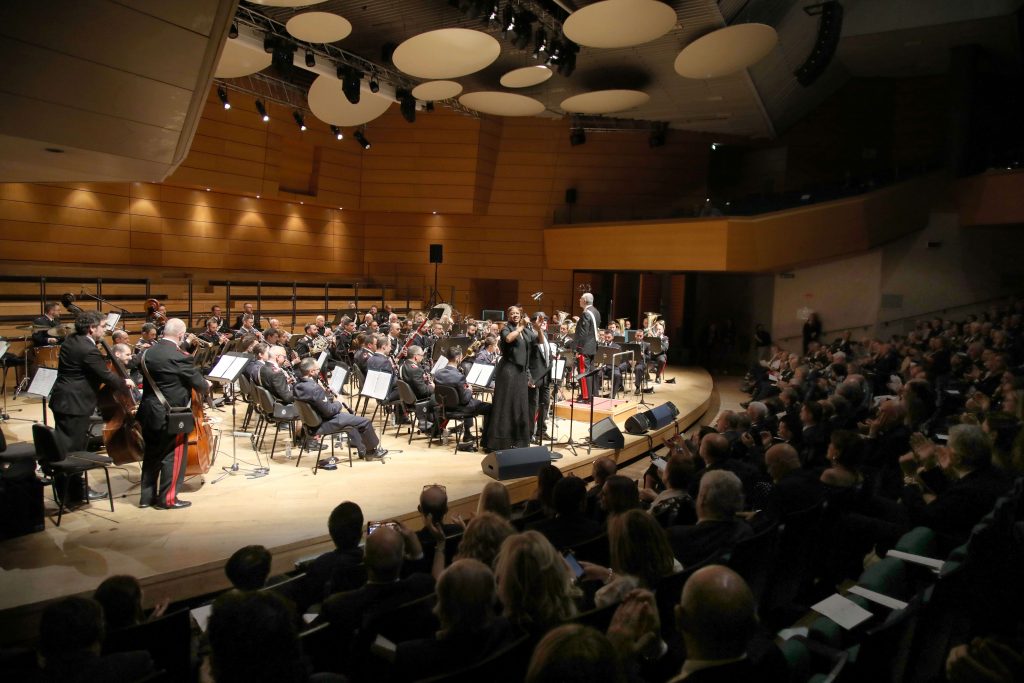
(42, 386)
(638, 354)
(226, 372)
(556, 369)
(656, 350)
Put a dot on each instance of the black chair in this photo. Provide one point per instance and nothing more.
(508, 665)
(15, 451)
(167, 639)
(414, 407)
(594, 550)
(274, 413)
(754, 559)
(245, 388)
(347, 579)
(61, 466)
(448, 400)
(320, 647)
(311, 422)
(793, 572)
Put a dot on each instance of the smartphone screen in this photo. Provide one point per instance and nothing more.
(577, 570)
(660, 463)
(372, 526)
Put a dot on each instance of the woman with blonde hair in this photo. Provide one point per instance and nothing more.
(534, 583)
(483, 538)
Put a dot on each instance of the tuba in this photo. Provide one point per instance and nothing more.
(153, 311)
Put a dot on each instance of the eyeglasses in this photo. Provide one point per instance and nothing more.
(435, 486)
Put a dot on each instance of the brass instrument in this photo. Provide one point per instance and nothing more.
(622, 325)
(318, 345)
(197, 341)
(153, 311)
(649, 320)
(474, 347)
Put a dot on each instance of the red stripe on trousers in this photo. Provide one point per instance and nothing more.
(179, 452)
(584, 393)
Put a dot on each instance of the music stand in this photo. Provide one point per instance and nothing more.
(42, 386)
(226, 372)
(556, 369)
(606, 357)
(481, 375)
(441, 346)
(657, 350)
(377, 386)
(638, 354)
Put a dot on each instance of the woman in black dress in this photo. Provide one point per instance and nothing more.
(510, 411)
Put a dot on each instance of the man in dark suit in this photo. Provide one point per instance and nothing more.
(260, 353)
(794, 488)
(345, 525)
(451, 376)
(717, 529)
(165, 367)
(50, 318)
(539, 365)
(81, 372)
(586, 338)
(613, 372)
(570, 526)
(335, 418)
(274, 379)
(240, 320)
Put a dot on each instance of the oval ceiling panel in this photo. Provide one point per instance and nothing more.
(726, 51)
(527, 76)
(502, 103)
(286, 3)
(436, 90)
(446, 53)
(605, 101)
(237, 60)
(319, 27)
(329, 104)
(619, 23)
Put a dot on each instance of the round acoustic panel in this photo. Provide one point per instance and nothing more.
(237, 60)
(329, 104)
(604, 101)
(436, 90)
(726, 51)
(286, 3)
(319, 27)
(527, 76)
(502, 103)
(446, 53)
(619, 23)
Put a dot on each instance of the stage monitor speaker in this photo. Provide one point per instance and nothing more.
(638, 424)
(437, 253)
(606, 434)
(515, 462)
(662, 416)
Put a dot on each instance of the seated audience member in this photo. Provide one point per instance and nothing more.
(795, 488)
(602, 468)
(534, 584)
(717, 529)
(470, 627)
(434, 508)
(494, 498)
(543, 496)
(345, 525)
(674, 505)
(575, 654)
(121, 599)
(718, 619)
(1007, 447)
(570, 525)
(846, 455)
(966, 491)
(483, 538)
(715, 453)
(618, 495)
(70, 637)
(814, 435)
(641, 556)
(248, 568)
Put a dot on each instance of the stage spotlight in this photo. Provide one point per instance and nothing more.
(297, 115)
(223, 95)
(508, 20)
(541, 42)
(336, 132)
(361, 139)
(350, 78)
(577, 136)
(310, 59)
(374, 85)
(233, 31)
(429, 106)
(407, 105)
(262, 111)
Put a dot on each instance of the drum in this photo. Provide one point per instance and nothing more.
(47, 356)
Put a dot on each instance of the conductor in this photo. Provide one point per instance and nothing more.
(586, 339)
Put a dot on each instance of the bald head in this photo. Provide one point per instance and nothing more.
(174, 328)
(714, 448)
(434, 503)
(604, 467)
(383, 555)
(716, 615)
(780, 460)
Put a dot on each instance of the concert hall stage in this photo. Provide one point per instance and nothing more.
(181, 553)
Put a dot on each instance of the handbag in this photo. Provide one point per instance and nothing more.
(176, 420)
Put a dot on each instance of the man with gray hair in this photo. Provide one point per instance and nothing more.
(171, 372)
(717, 529)
(962, 485)
(586, 339)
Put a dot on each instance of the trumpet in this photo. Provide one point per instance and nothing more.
(197, 341)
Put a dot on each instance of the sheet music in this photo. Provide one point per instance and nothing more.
(111, 322)
(42, 383)
(228, 367)
(3, 347)
(558, 369)
(376, 385)
(480, 374)
(202, 616)
(321, 360)
(441, 362)
(337, 380)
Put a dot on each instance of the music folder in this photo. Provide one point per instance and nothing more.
(42, 383)
(228, 367)
(337, 379)
(3, 347)
(111, 322)
(377, 385)
(557, 369)
(441, 362)
(321, 359)
(480, 375)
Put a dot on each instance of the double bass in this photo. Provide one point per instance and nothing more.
(122, 433)
(200, 440)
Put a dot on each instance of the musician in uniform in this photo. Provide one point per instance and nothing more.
(381, 361)
(247, 310)
(147, 338)
(80, 373)
(211, 334)
(306, 340)
(248, 326)
(586, 338)
(540, 362)
(640, 371)
(167, 368)
(384, 317)
(613, 371)
(488, 355)
(260, 355)
(274, 378)
(123, 352)
(451, 376)
(217, 315)
(335, 416)
(395, 337)
(511, 423)
(275, 325)
(343, 336)
(49, 319)
(660, 360)
(364, 346)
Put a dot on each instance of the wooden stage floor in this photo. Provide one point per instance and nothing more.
(180, 553)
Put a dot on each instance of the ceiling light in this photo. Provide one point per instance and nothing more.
(310, 59)
(350, 78)
(407, 105)
(223, 95)
(361, 139)
(336, 132)
(374, 85)
(297, 115)
(577, 136)
(714, 146)
(262, 111)
(233, 31)
(207, 189)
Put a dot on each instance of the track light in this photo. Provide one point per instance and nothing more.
(350, 78)
(223, 95)
(297, 115)
(361, 139)
(310, 59)
(374, 85)
(262, 111)
(407, 105)
(540, 43)
(577, 136)
(336, 132)
(429, 106)
(233, 31)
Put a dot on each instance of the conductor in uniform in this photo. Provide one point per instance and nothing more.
(586, 339)
(171, 370)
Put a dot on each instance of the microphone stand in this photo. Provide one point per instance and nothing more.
(124, 311)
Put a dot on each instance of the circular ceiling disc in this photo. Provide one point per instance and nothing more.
(527, 76)
(286, 3)
(319, 27)
(726, 51)
(436, 90)
(501, 103)
(605, 101)
(237, 60)
(329, 104)
(619, 23)
(446, 53)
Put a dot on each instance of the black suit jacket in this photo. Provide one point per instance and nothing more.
(419, 659)
(347, 611)
(88, 667)
(957, 509)
(694, 544)
(255, 323)
(41, 338)
(175, 375)
(412, 374)
(308, 390)
(274, 380)
(517, 351)
(538, 368)
(566, 532)
(586, 339)
(82, 370)
(796, 491)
